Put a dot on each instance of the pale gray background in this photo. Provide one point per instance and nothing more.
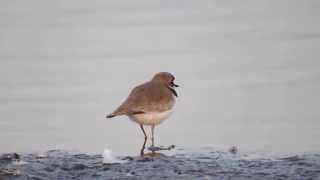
(249, 72)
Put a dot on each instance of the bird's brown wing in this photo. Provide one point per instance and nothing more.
(148, 97)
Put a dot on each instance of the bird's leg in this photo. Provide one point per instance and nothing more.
(152, 139)
(143, 147)
(145, 140)
(154, 148)
(152, 135)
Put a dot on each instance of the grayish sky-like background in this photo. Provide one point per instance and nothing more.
(249, 73)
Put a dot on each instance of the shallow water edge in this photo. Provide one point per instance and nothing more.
(57, 164)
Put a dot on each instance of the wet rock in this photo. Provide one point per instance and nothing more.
(106, 167)
(212, 165)
(6, 158)
(145, 159)
(35, 177)
(233, 150)
(9, 173)
(77, 167)
(128, 158)
(292, 158)
(16, 156)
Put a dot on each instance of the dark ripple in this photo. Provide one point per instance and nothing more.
(210, 165)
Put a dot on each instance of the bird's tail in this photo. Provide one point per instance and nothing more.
(117, 112)
(110, 115)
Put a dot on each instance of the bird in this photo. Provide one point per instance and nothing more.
(150, 103)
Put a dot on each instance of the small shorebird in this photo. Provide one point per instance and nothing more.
(150, 103)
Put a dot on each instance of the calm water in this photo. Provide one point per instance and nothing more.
(249, 73)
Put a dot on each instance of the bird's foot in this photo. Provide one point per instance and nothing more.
(160, 148)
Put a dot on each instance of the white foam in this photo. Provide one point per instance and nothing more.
(108, 157)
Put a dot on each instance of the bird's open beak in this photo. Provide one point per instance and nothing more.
(174, 85)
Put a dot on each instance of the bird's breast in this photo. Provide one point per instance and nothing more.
(151, 118)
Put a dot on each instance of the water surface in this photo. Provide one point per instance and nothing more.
(249, 73)
(205, 165)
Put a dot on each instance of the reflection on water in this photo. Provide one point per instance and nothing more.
(249, 73)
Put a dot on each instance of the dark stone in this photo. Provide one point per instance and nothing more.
(79, 167)
(9, 157)
(233, 150)
(16, 156)
(128, 158)
(145, 159)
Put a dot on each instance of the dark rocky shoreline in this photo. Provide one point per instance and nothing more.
(210, 165)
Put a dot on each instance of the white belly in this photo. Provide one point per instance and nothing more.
(151, 118)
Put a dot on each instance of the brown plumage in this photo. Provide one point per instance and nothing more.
(150, 103)
(156, 95)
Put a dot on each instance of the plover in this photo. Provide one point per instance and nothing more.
(149, 104)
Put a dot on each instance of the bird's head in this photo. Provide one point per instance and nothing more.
(166, 79)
